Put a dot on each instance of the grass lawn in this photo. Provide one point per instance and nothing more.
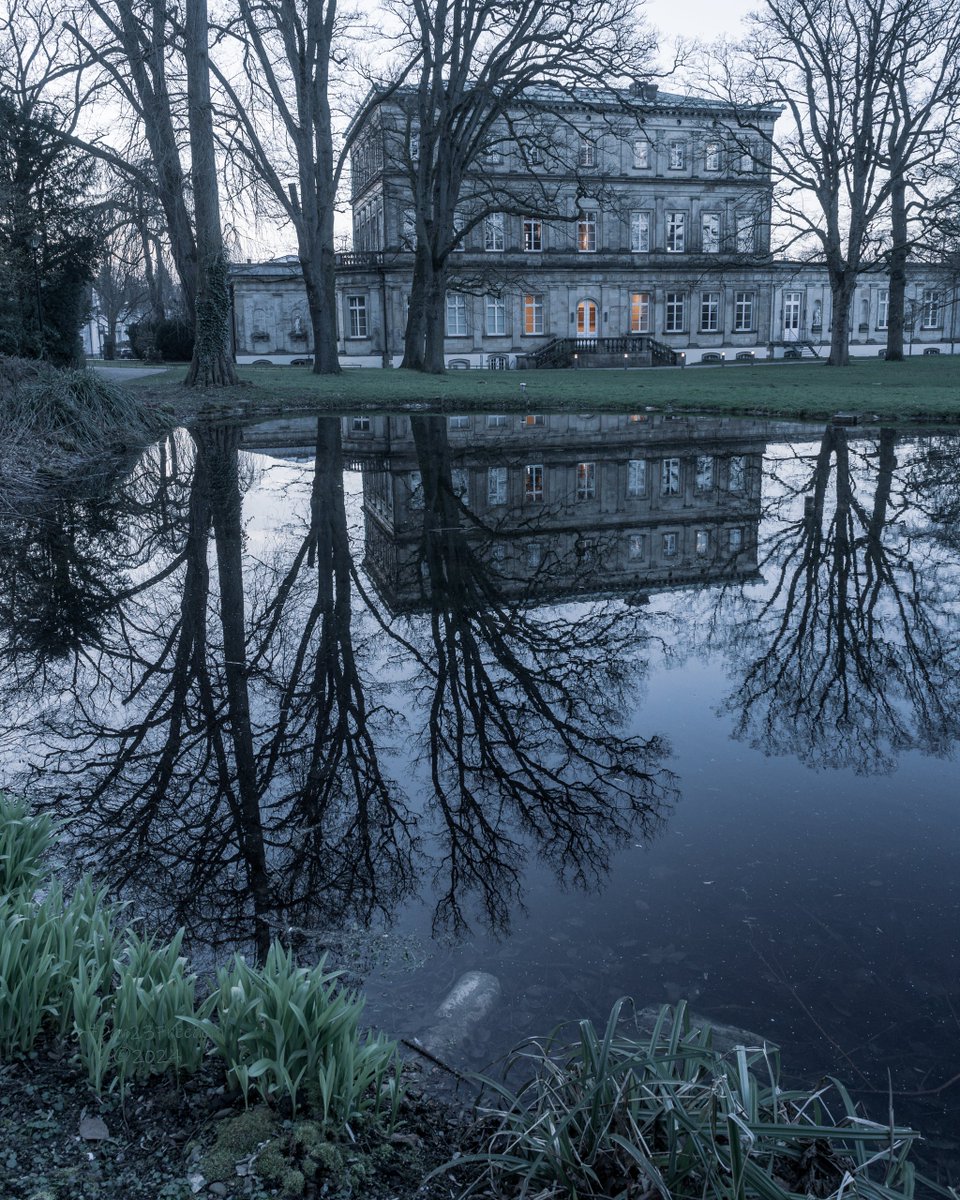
(919, 387)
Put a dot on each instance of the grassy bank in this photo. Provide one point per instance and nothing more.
(919, 388)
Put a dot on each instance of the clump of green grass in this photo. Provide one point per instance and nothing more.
(283, 1029)
(607, 1115)
(129, 1003)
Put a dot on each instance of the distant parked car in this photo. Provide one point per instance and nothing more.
(126, 352)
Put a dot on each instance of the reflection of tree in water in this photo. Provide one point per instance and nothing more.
(523, 708)
(219, 747)
(849, 656)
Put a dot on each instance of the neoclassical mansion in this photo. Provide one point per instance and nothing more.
(651, 240)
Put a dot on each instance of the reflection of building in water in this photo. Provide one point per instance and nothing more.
(561, 504)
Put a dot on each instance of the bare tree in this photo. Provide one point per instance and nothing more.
(828, 63)
(478, 61)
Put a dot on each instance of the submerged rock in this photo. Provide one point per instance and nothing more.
(724, 1037)
(470, 999)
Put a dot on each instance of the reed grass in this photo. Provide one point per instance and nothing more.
(609, 1115)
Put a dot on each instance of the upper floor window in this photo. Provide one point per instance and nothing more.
(459, 224)
(710, 232)
(640, 312)
(532, 154)
(931, 316)
(746, 233)
(493, 232)
(587, 233)
(639, 232)
(704, 474)
(676, 232)
(497, 485)
(736, 473)
(711, 156)
(748, 158)
(735, 540)
(636, 477)
(532, 234)
(678, 156)
(702, 541)
(357, 307)
(670, 477)
(493, 152)
(456, 314)
(587, 153)
(533, 482)
(586, 481)
(641, 153)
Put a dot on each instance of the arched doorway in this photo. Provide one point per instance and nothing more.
(587, 319)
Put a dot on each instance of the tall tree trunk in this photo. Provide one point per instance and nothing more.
(898, 270)
(842, 286)
(414, 337)
(434, 322)
(212, 363)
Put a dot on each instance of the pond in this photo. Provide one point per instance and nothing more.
(600, 705)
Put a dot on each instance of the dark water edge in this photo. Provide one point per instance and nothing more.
(371, 671)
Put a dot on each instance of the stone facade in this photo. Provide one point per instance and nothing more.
(624, 216)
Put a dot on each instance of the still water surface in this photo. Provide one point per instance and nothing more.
(601, 705)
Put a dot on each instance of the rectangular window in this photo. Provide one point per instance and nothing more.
(640, 312)
(641, 154)
(493, 232)
(497, 485)
(711, 156)
(496, 420)
(587, 233)
(587, 155)
(361, 424)
(586, 481)
(710, 312)
(636, 478)
(930, 311)
(532, 314)
(533, 420)
(883, 308)
(456, 314)
(675, 316)
(458, 422)
(710, 232)
(746, 233)
(357, 306)
(533, 482)
(735, 473)
(676, 226)
(532, 153)
(743, 304)
(640, 232)
(678, 156)
(636, 546)
(702, 543)
(408, 229)
(670, 477)
(532, 235)
(495, 308)
(704, 476)
(748, 156)
(734, 540)
(493, 153)
(669, 545)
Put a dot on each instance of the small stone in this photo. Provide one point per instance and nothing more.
(219, 1189)
(196, 1182)
(93, 1129)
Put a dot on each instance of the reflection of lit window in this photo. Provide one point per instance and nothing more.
(735, 540)
(586, 480)
(497, 485)
(703, 541)
(416, 490)
(735, 476)
(669, 545)
(533, 482)
(459, 422)
(670, 477)
(704, 477)
(636, 477)
(587, 233)
(533, 419)
(636, 546)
